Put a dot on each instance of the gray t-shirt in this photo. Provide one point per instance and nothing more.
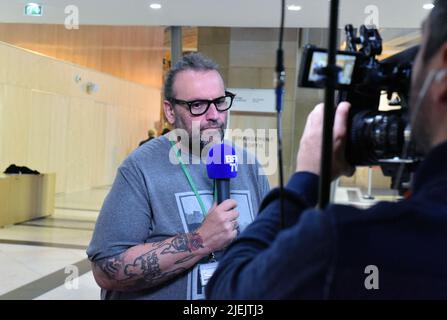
(151, 200)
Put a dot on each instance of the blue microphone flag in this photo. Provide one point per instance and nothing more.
(221, 162)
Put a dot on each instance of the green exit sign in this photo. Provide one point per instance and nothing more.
(33, 9)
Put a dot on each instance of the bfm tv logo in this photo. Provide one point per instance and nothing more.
(231, 160)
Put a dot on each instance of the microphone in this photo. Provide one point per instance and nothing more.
(221, 166)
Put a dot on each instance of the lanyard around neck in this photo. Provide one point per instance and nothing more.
(191, 181)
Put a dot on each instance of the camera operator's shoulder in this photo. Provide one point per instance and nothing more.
(381, 211)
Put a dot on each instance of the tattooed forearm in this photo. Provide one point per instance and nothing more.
(146, 264)
(164, 260)
(189, 242)
(183, 260)
(147, 282)
(111, 266)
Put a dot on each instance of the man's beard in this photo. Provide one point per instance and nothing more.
(201, 139)
(211, 136)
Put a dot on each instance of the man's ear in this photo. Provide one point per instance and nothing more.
(169, 111)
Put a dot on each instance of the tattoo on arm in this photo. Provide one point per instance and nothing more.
(145, 270)
(187, 258)
(184, 243)
(111, 266)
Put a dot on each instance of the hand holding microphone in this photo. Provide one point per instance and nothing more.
(220, 226)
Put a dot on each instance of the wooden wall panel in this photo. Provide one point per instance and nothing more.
(41, 113)
(48, 122)
(111, 142)
(57, 156)
(134, 53)
(100, 120)
(14, 123)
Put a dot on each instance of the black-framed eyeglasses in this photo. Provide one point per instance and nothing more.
(199, 107)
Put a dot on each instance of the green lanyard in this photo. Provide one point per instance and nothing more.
(191, 181)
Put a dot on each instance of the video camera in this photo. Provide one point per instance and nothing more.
(374, 137)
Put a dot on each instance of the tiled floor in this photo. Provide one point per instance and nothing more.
(85, 289)
(45, 258)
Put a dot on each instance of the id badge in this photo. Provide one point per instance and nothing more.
(206, 271)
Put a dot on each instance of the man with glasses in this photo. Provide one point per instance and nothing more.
(159, 231)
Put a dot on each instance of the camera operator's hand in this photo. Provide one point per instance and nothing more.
(309, 153)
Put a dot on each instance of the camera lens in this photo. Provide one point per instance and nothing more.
(374, 136)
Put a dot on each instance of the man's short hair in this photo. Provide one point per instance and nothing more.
(437, 29)
(193, 61)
